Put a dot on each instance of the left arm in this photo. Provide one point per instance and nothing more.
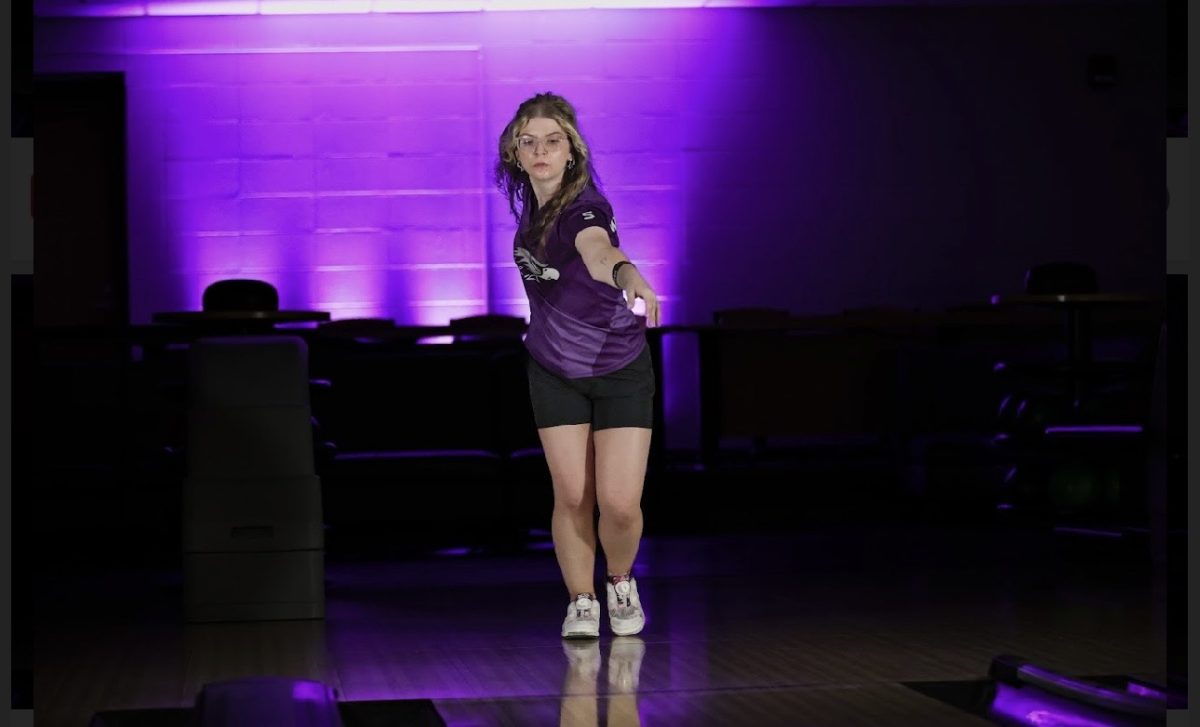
(600, 256)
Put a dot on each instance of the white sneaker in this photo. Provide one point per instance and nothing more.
(625, 614)
(583, 618)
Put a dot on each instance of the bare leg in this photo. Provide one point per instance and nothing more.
(620, 456)
(570, 456)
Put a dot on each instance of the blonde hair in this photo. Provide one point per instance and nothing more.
(514, 181)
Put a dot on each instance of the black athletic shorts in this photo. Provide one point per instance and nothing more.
(624, 398)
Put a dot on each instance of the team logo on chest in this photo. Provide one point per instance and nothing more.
(531, 267)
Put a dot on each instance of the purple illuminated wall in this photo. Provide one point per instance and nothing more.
(810, 158)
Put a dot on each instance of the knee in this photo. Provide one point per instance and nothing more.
(575, 500)
(621, 514)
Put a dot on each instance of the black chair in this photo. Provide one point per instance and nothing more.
(330, 343)
(356, 327)
(240, 294)
(414, 441)
(349, 335)
(488, 328)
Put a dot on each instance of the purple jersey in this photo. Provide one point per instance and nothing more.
(577, 326)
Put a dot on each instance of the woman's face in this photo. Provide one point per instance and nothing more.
(543, 150)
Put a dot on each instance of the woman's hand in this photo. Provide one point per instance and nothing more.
(635, 286)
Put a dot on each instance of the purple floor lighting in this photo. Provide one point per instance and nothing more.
(1036, 681)
(1030, 706)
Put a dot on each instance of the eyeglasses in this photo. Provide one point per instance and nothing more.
(553, 143)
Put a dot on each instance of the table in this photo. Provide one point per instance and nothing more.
(236, 317)
(234, 322)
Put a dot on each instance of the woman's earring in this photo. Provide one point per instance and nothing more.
(570, 164)
(520, 167)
